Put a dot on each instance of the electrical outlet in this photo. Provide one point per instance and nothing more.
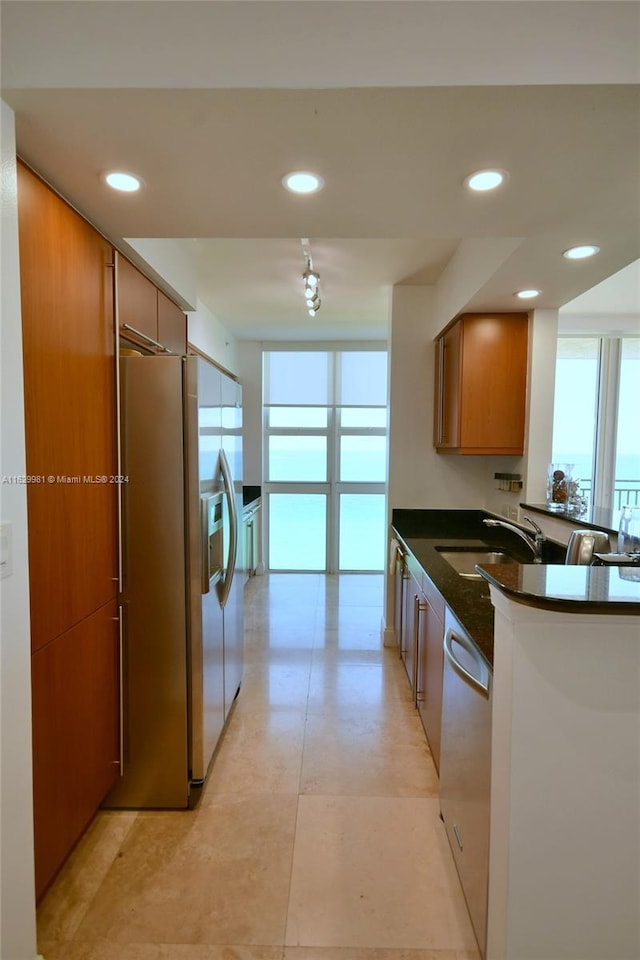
(512, 513)
(504, 510)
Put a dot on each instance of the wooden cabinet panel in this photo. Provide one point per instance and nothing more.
(408, 648)
(75, 685)
(481, 378)
(447, 387)
(69, 374)
(137, 301)
(172, 325)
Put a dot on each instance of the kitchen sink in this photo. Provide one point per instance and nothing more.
(464, 561)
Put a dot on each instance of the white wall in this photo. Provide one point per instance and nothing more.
(472, 265)
(206, 333)
(418, 476)
(249, 353)
(17, 899)
(543, 339)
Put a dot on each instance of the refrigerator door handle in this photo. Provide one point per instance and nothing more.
(233, 527)
(204, 535)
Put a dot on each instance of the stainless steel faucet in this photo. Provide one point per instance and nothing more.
(534, 540)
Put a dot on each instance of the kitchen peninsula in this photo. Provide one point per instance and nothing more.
(560, 691)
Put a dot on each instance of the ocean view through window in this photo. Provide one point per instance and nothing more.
(325, 466)
(595, 417)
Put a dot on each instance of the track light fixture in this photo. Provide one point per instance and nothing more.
(311, 281)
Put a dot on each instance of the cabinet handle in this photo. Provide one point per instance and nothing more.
(419, 608)
(121, 688)
(416, 615)
(143, 336)
(457, 836)
(456, 666)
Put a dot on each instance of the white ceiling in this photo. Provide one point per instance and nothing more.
(392, 102)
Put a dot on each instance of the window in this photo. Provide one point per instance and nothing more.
(595, 419)
(325, 422)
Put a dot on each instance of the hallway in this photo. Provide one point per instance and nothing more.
(318, 836)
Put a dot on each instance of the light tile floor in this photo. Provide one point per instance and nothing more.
(318, 836)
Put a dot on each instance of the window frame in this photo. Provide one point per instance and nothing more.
(608, 376)
(333, 487)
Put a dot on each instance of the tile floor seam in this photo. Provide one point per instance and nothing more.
(341, 845)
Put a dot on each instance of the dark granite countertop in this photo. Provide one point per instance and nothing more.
(573, 589)
(551, 585)
(595, 518)
(422, 531)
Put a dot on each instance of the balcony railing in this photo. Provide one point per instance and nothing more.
(624, 492)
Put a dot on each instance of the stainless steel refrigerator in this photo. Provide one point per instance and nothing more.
(183, 576)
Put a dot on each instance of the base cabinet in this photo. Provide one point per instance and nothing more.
(75, 696)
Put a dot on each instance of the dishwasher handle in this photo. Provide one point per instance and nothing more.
(471, 681)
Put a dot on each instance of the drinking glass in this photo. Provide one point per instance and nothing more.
(629, 530)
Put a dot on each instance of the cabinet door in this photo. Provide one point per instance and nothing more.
(408, 650)
(69, 374)
(429, 676)
(172, 325)
(398, 588)
(75, 686)
(447, 405)
(493, 383)
(137, 302)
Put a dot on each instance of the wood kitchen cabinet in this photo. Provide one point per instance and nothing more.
(172, 325)
(144, 311)
(75, 690)
(411, 594)
(68, 327)
(430, 661)
(480, 384)
(70, 426)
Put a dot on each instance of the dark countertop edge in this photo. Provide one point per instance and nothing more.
(420, 531)
(250, 494)
(585, 522)
(563, 604)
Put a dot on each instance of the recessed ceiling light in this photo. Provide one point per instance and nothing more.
(483, 180)
(126, 182)
(579, 253)
(527, 294)
(302, 181)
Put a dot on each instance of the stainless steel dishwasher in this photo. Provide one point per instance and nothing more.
(465, 768)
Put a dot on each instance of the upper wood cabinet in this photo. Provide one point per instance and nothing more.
(481, 381)
(137, 302)
(66, 273)
(148, 312)
(172, 325)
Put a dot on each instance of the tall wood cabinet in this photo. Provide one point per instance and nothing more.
(481, 383)
(67, 296)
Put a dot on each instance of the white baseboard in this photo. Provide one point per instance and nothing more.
(389, 638)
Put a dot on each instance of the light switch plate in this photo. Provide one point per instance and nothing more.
(6, 551)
